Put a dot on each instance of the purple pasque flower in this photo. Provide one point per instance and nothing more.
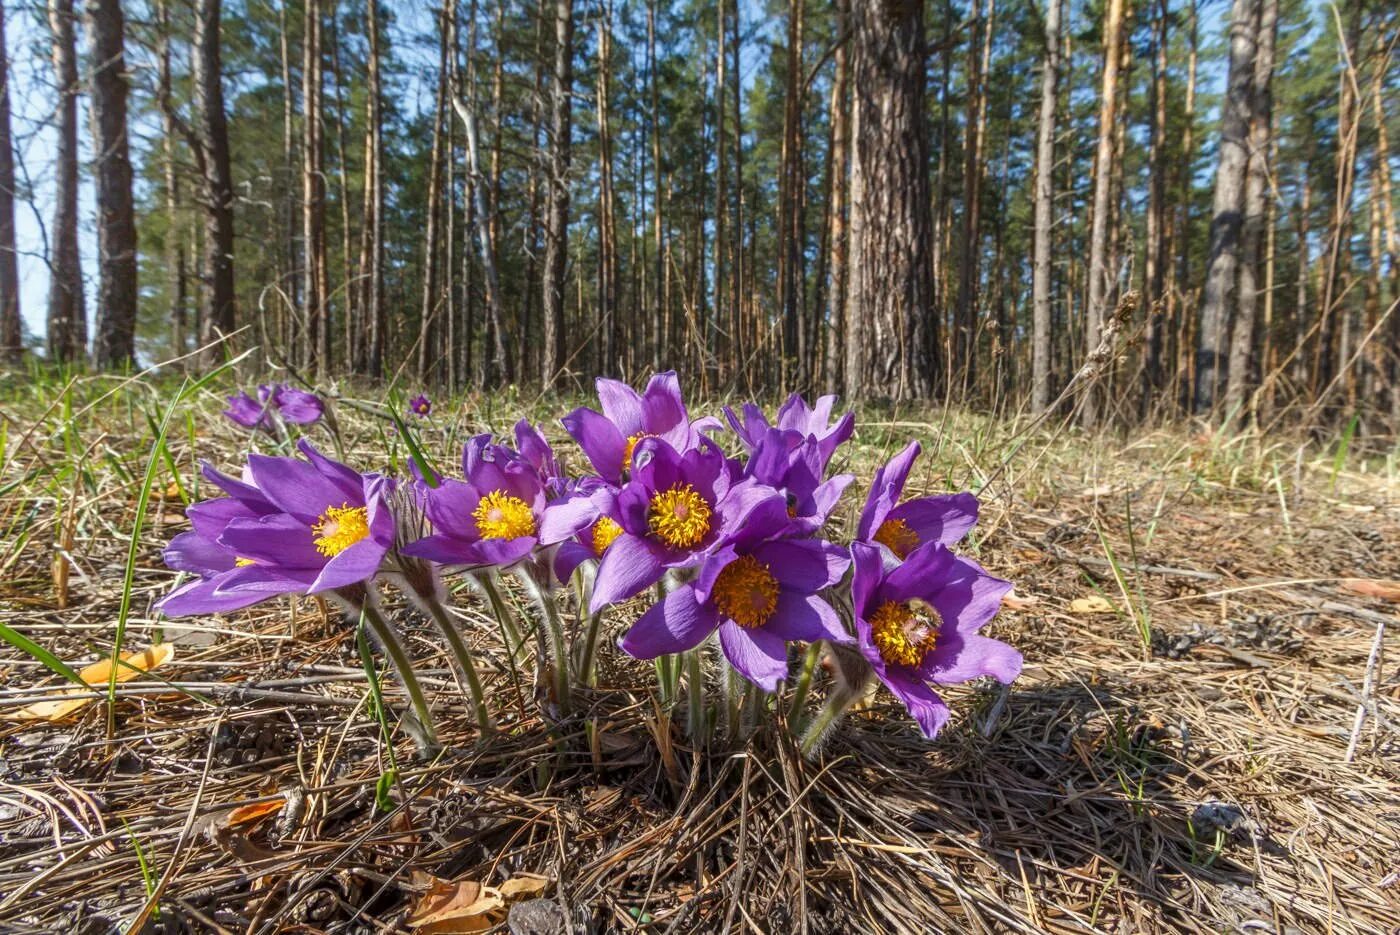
(675, 510)
(289, 526)
(814, 422)
(294, 405)
(759, 593)
(904, 527)
(492, 517)
(534, 449)
(420, 406)
(794, 464)
(918, 624)
(609, 438)
(248, 412)
(588, 510)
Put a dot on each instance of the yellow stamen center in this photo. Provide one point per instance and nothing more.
(631, 447)
(895, 535)
(903, 635)
(746, 592)
(679, 516)
(501, 516)
(604, 532)
(339, 528)
(241, 562)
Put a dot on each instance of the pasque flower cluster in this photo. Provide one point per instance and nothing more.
(731, 551)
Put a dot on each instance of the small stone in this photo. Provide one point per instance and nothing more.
(537, 917)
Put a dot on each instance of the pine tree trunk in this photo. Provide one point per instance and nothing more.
(1155, 263)
(67, 313)
(792, 185)
(115, 344)
(892, 288)
(11, 324)
(1256, 198)
(1044, 213)
(1099, 272)
(1222, 268)
(556, 254)
(374, 201)
(313, 195)
(607, 322)
(969, 264)
(429, 345)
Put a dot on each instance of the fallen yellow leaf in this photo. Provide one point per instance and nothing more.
(133, 664)
(1093, 604)
(524, 886)
(453, 907)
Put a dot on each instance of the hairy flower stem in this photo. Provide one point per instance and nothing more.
(804, 682)
(425, 734)
(510, 633)
(826, 719)
(732, 689)
(695, 691)
(554, 633)
(463, 655)
(586, 672)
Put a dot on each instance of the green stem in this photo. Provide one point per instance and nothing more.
(554, 632)
(509, 631)
(586, 673)
(463, 655)
(825, 720)
(404, 667)
(695, 689)
(804, 682)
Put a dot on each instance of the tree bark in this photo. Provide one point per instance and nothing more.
(67, 313)
(891, 290)
(1256, 197)
(429, 345)
(316, 350)
(1155, 263)
(1044, 212)
(1226, 223)
(556, 252)
(115, 343)
(11, 324)
(1099, 273)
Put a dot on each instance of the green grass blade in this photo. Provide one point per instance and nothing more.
(25, 644)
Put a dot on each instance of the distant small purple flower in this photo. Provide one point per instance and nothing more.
(290, 526)
(675, 510)
(795, 415)
(297, 406)
(919, 623)
(759, 595)
(420, 406)
(904, 527)
(492, 517)
(248, 412)
(610, 438)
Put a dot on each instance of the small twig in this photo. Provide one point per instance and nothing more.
(1367, 685)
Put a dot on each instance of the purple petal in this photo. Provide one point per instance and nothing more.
(805, 565)
(564, 519)
(600, 440)
(192, 551)
(865, 580)
(209, 517)
(359, 562)
(450, 507)
(348, 480)
(199, 597)
(969, 597)
(946, 518)
(923, 702)
(622, 405)
(926, 571)
(298, 406)
(960, 657)
(675, 624)
(296, 487)
(628, 566)
(758, 654)
(249, 495)
(277, 540)
(885, 490)
(568, 557)
(805, 617)
(710, 571)
(663, 411)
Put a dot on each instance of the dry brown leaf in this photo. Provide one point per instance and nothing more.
(447, 908)
(135, 663)
(1013, 601)
(251, 814)
(1374, 587)
(1093, 604)
(523, 886)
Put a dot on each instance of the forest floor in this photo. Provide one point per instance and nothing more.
(1176, 756)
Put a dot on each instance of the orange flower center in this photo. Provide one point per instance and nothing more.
(746, 592)
(339, 528)
(500, 516)
(679, 516)
(631, 447)
(895, 535)
(902, 634)
(605, 531)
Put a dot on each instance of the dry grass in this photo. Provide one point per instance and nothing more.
(1199, 784)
